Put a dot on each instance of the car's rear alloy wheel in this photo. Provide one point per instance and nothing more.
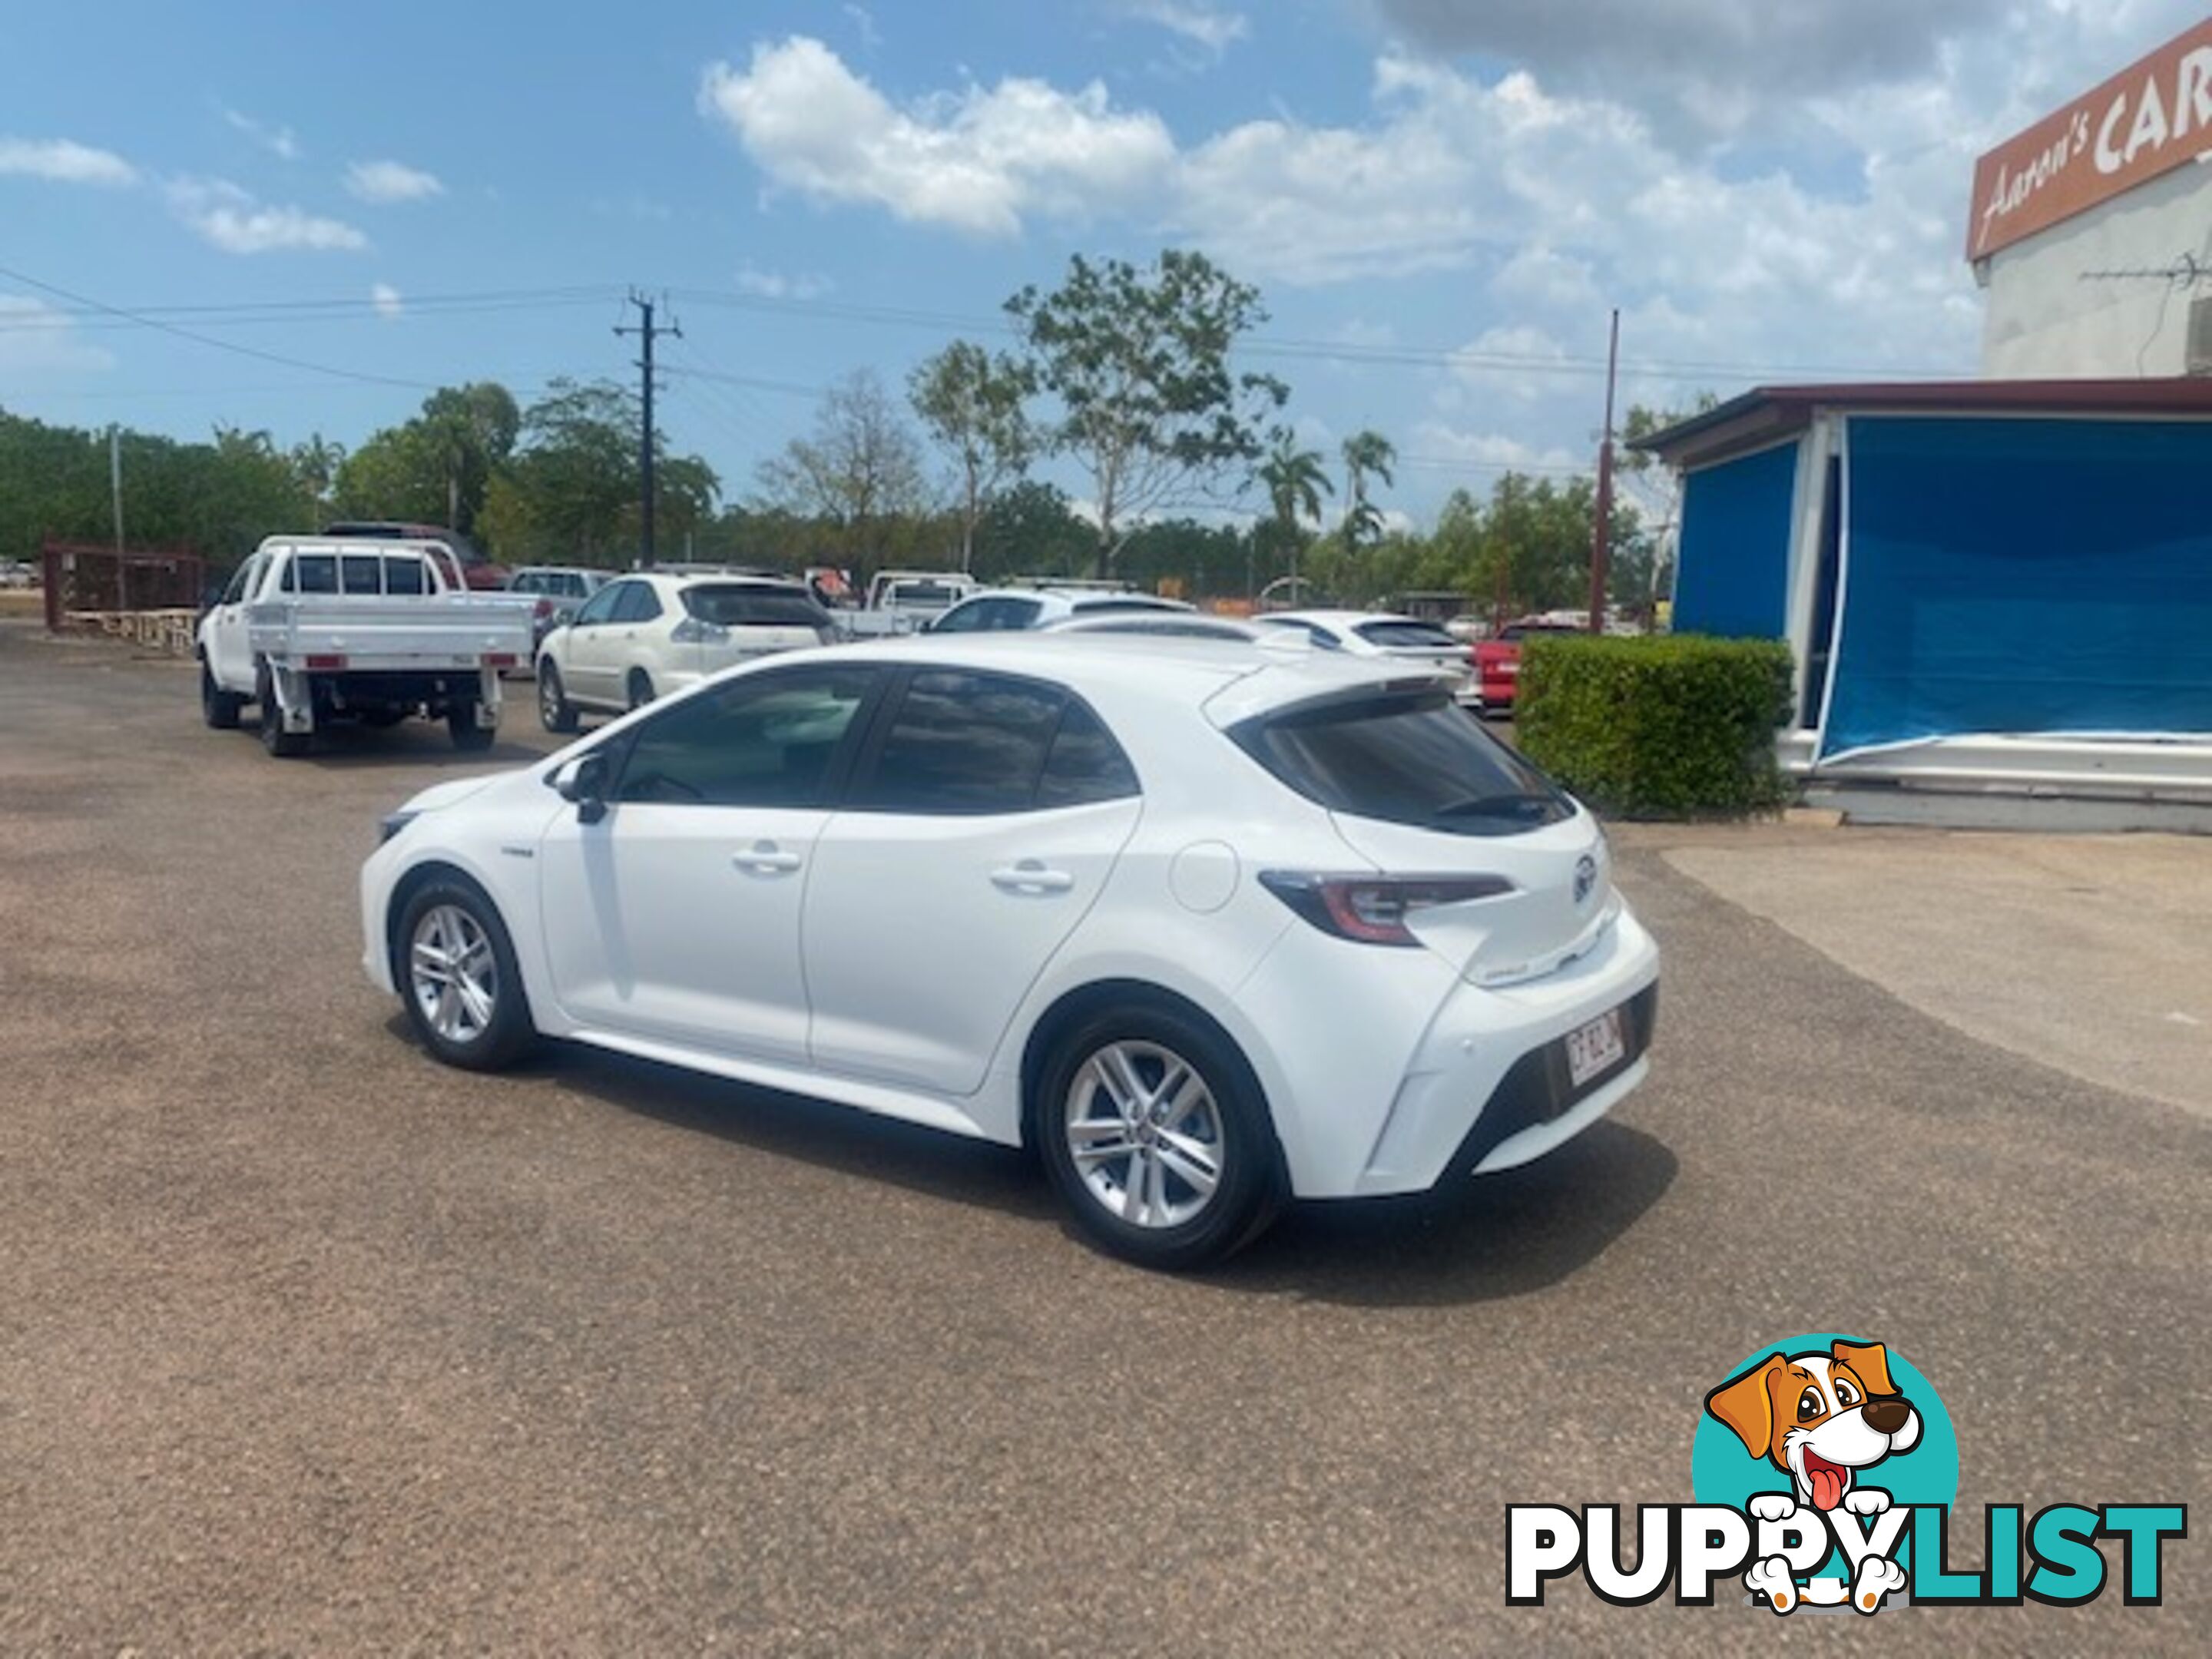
(1155, 1134)
(464, 994)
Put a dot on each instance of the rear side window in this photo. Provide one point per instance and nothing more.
(361, 573)
(1085, 764)
(733, 605)
(404, 575)
(1414, 759)
(314, 573)
(1398, 636)
(963, 743)
(638, 603)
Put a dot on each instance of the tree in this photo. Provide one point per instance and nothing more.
(1657, 488)
(1366, 454)
(569, 491)
(861, 465)
(1137, 361)
(437, 466)
(1295, 484)
(971, 402)
(315, 463)
(1030, 530)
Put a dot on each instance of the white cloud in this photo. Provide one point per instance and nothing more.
(231, 219)
(63, 162)
(1205, 26)
(864, 24)
(778, 285)
(277, 141)
(385, 182)
(386, 299)
(35, 339)
(977, 160)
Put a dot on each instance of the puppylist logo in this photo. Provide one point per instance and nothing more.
(1825, 1468)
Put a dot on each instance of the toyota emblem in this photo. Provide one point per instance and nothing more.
(1585, 878)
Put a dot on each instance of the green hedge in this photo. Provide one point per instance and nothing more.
(1669, 727)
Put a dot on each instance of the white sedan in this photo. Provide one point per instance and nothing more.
(1382, 634)
(1209, 927)
(653, 632)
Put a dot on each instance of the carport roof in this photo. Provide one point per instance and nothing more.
(1769, 414)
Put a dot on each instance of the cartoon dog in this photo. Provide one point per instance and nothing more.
(1820, 1417)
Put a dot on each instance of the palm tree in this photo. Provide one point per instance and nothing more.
(1294, 485)
(1366, 454)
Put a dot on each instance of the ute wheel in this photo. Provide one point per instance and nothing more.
(554, 712)
(274, 738)
(461, 721)
(1155, 1134)
(218, 708)
(640, 687)
(456, 968)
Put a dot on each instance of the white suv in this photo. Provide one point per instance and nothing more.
(1209, 927)
(650, 633)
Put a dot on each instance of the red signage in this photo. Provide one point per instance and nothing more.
(2147, 119)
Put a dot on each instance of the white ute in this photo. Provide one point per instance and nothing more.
(316, 631)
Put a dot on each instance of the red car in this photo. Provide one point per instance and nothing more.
(1497, 662)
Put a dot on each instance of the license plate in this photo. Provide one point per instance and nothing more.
(1595, 1048)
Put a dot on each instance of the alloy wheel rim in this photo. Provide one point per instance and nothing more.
(1145, 1135)
(454, 973)
(548, 695)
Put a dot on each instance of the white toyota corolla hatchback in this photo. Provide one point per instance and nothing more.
(1210, 925)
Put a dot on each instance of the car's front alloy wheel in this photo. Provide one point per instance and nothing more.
(1154, 1132)
(457, 972)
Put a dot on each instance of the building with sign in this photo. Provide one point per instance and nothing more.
(2091, 231)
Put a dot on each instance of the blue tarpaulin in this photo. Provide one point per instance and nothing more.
(1735, 551)
(2024, 576)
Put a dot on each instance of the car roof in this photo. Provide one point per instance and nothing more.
(1230, 680)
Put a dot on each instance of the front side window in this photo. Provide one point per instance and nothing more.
(760, 740)
(963, 743)
(1414, 759)
(248, 577)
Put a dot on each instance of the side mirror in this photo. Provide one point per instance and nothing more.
(583, 782)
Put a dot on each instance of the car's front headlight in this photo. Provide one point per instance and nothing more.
(393, 822)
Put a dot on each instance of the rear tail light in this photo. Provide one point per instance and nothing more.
(544, 609)
(1374, 909)
(692, 631)
(325, 664)
(500, 660)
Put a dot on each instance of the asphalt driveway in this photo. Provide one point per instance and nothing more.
(307, 1344)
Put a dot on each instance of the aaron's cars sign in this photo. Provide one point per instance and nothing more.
(2146, 120)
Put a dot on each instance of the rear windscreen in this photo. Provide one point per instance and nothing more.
(754, 607)
(1398, 636)
(1417, 759)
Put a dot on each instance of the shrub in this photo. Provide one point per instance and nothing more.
(1674, 726)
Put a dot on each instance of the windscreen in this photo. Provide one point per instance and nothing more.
(1415, 759)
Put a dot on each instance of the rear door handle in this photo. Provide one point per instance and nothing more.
(765, 858)
(1031, 876)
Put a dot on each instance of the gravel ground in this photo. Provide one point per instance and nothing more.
(307, 1344)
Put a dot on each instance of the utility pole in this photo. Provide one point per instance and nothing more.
(115, 492)
(1601, 532)
(645, 331)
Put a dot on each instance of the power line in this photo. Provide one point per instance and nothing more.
(309, 312)
(208, 340)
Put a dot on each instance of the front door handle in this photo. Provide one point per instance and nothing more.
(1031, 876)
(765, 858)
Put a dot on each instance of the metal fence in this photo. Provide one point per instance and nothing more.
(151, 595)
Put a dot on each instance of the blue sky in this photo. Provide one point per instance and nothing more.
(1439, 198)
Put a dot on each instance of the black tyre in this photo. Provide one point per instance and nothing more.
(554, 712)
(1154, 1132)
(218, 708)
(640, 687)
(455, 967)
(274, 738)
(461, 721)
